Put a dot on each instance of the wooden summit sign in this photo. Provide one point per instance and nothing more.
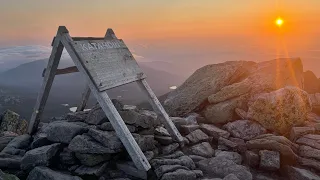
(105, 63)
(108, 62)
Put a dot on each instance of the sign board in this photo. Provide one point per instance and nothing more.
(108, 62)
(105, 63)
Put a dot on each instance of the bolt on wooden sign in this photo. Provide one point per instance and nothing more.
(109, 62)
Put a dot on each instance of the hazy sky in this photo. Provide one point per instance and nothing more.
(173, 29)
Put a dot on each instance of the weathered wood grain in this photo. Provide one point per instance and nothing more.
(47, 83)
(106, 104)
(108, 62)
(84, 99)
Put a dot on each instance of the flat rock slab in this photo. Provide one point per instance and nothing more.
(214, 131)
(108, 139)
(92, 159)
(41, 156)
(312, 140)
(4, 141)
(269, 160)
(197, 136)
(44, 173)
(221, 167)
(301, 174)
(10, 162)
(203, 149)
(245, 129)
(233, 156)
(183, 161)
(180, 174)
(170, 148)
(130, 169)
(231, 177)
(63, 132)
(95, 170)
(297, 132)
(160, 171)
(309, 152)
(86, 144)
(20, 142)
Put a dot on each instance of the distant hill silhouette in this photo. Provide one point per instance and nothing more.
(25, 81)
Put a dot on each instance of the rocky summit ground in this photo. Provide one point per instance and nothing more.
(240, 121)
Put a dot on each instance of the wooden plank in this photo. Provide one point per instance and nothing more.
(67, 70)
(84, 99)
(87, 38)
(106, 104)
(47, 83)
(160, 111)
(109, 62)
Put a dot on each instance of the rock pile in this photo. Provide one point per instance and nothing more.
(240, 121)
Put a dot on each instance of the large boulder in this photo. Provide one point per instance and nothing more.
(311, 82)
(11, 121)
(262, 77)
(280, 110)
(63, 132)
(202, 83)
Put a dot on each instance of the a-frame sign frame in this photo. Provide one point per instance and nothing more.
(105, 63)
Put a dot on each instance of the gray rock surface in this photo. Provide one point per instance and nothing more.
(197, 136)
(221, 167)
(301, 174)
(269, 160)
(233, 156)
(95, 170)
(180, 174)
(244, 129)
(214, 131)
(203, 149)
(92, 159)
(252, 159)
(281, 110)
(201, 84)
(41, 156)
(44, 173)
(63, 132)
(86, 144)
(67, 157)
(309, 152)
(108, 139)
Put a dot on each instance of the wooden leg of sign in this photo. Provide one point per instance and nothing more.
(160, 110)
(53, 63)
(111, 112)
(84, 99)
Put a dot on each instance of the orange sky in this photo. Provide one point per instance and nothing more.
(37, 20)
(173, 27)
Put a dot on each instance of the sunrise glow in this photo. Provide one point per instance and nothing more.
(279, 22)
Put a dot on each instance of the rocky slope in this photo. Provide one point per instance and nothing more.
(240, 121)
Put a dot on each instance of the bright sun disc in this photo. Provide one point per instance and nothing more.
(279, 22)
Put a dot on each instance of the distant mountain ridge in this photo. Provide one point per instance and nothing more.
(26, 81)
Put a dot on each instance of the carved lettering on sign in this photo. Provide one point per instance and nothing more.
(101, 45)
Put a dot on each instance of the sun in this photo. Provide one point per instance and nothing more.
(279, 22)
